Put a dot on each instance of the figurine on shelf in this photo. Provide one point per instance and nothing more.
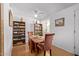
(21, 19)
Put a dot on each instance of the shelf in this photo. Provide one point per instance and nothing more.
(38, 29)
(18, 31)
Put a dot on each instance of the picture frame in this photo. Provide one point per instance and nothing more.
(10, 18)
(59, 22)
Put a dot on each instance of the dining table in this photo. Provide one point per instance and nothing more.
(36, 39)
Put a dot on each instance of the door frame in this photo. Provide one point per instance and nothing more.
(75, 15)
(1, 30)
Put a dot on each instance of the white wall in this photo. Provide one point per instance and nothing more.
(7, 32)
(45, 25)
(64, 36)
(29, 26)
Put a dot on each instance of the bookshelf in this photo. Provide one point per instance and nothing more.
(38, 29)
(18, 32)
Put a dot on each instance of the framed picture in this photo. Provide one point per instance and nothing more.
(59, 22)
(10, 18)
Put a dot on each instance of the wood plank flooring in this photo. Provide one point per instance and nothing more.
(23, 50)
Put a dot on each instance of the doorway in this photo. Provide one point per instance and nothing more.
(76, 32)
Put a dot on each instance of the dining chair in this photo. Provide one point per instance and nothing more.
(47, 45)
(30, 43)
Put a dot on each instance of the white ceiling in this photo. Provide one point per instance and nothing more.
(45, 9)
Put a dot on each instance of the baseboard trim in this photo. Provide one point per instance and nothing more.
(63, 48)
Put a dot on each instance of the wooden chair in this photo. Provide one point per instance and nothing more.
(30, 33)
(47, 45)
(30, 43)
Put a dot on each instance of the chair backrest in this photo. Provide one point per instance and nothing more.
(48, 41)
(30, 33)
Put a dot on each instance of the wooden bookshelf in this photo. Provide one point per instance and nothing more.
(18, 32)
(38, 29)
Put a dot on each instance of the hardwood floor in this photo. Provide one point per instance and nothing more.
(23, 50)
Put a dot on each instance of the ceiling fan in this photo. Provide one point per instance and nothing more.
(37, 13)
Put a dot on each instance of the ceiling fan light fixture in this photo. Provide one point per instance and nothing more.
(35, 15)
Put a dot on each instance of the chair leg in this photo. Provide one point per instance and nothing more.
(50, 53)
(31, 51)
(44, 53)
(38, 50)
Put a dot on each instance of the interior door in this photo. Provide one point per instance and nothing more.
(76, 41)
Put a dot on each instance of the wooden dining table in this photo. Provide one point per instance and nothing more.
(36, 39)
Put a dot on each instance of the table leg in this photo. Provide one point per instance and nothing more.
(36, 50)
